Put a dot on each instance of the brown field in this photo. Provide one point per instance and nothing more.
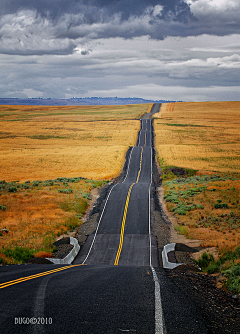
(200, 135)
(38, 143)
(204, 137)
(35, 216)
(46, 143)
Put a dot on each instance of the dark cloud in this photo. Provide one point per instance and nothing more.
(95, 10)
(66, 48)
(59, 26)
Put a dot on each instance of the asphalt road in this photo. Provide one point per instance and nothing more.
(122, 237)
(114, 284)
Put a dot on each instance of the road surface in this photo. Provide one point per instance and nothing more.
(115, 284)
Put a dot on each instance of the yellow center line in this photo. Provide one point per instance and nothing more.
(140, 167)
(123, 226)
(27, 278)
(125, 213)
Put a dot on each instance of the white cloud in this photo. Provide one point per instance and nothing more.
(155, 92)
(27, 33)
(171, 69)
(212, 6)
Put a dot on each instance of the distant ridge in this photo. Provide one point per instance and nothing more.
(78, 101)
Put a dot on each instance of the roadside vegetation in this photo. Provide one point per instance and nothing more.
(198, 151)
(227, 267)
(35, 213)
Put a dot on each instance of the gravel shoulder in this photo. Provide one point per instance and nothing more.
(220, 309)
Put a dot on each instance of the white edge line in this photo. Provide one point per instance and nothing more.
(149, 215)
(158, 304)
(128, 165)
(104, 209)
(99, 223)
(139, 133)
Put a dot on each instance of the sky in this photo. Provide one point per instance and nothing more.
(187, 50)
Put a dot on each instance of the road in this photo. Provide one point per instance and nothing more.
(122, 236)
(115, 284)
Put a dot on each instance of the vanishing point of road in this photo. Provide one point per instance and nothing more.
(115, 284)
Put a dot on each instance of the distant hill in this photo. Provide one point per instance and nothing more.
(78, 101)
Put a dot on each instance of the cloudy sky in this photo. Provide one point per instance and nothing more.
(185, 50)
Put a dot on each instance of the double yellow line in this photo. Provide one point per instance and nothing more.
(27, 278)
(125, 213)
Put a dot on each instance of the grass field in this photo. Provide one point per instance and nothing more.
(203, 136)
(57, 144)
(35, 213)
(198, 144)
(38, 143)
(72, 113)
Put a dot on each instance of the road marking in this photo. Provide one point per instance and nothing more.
(98, 224)
(140, 167)
(149, 216)
(27, 278)
(128, 165)
(123, 226)
(125, 213)
(104, 209)
(159, 320)
(139, 134)
(158, 305)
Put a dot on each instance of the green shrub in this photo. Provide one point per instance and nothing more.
(182, 209)
(229, 255)
(20, 254)
(65, 191)
(233, 279)
(36, 183)
(12, 189)
(172, 196)
(2, 207)
(213, 268)
(86, 195)
(205, 260)
(48, 183)
(221, 206)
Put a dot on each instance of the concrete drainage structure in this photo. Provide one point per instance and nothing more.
(166, 263)
(71, 256)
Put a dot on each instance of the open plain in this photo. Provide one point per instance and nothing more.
(199, 135)
(38, 143)
(135, 294)
(198, 146)
(43, 152)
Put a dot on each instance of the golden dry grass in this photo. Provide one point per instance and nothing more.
(72, 113)
(215, 227)
(200, 135)
(43, 143)
(204, 136)
(35, 216)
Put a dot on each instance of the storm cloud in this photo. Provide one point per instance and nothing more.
(58, 26)
(91, 47)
